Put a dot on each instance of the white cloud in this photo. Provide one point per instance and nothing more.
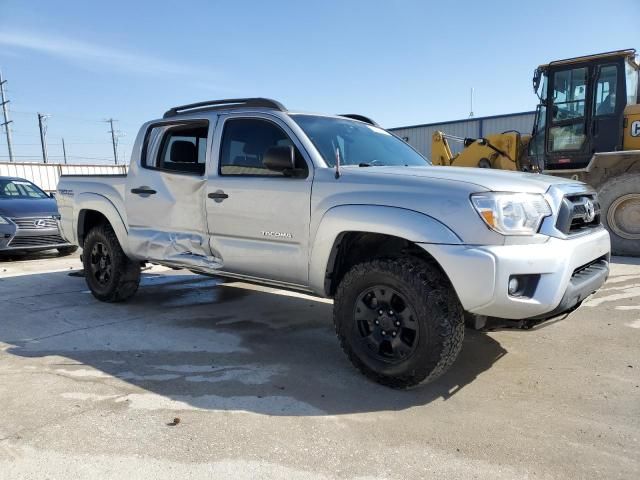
(92, 55)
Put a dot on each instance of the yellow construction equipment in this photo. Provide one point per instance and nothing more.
(501, 150)
(587, 127)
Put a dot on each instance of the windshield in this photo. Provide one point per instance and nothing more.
(357, 143)
(19, 189)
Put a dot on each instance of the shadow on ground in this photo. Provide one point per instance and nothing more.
(186, 341)
(626, 260)
(25, 256)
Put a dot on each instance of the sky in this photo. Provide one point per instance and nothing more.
(401, 62)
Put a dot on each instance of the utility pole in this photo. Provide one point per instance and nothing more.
(114, 141)
(6, 122)
(471, 112)
(64, 151)
(43, 134)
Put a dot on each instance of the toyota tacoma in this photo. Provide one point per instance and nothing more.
(335, 206)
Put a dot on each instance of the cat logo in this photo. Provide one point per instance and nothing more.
(635, 129)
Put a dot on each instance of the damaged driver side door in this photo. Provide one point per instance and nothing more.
(165, 195)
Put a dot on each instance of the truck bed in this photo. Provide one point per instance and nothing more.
(73, 188)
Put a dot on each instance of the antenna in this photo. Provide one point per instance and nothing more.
(337, 162)
(471, 111)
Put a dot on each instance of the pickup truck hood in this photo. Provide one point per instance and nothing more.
(488, 179)
(28, 207)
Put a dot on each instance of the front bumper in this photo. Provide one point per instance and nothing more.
(566, 271)
(13, 238)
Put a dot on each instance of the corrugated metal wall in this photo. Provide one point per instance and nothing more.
(419, 136)
(46, 175)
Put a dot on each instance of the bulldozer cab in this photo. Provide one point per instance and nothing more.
(581, 108)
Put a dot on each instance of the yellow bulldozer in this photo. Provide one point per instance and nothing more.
(587, 127)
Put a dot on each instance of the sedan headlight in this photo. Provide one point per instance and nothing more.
(512, 213)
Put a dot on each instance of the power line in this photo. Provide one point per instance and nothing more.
(62, 115)
(64, 151)
(115, 136)
(6, 123)
(42, 124)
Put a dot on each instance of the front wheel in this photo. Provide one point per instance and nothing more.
(620, 207)
(399, 320)
(110, 274)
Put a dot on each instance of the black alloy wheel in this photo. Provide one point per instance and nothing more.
(386, 323)
(100, 262)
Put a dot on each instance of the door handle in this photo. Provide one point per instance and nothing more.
(219, 195)
(143, 191)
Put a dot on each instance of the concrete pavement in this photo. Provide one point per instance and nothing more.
(261, 389)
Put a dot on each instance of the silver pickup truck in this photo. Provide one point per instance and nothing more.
(338, 207)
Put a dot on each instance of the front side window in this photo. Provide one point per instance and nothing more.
(536, 145)
(356, 143)
(568, 98)
(179, 148)
(604, 100)
(20, 189)
(245, 142)
(569, 93)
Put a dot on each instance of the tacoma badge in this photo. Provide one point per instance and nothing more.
(276, 234)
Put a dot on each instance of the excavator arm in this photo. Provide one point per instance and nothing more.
(503, 150)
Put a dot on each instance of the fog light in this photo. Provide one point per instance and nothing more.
(514, 285)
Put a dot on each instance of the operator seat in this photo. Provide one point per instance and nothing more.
(608, 105)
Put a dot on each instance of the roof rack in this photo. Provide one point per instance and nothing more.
(361, 118)
(229, 103)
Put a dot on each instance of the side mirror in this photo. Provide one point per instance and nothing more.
(280, 159)
(52, 195)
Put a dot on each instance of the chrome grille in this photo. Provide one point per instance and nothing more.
(35, 223)
(36, 241)
(578, 213)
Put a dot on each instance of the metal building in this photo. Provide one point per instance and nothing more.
(419, 136)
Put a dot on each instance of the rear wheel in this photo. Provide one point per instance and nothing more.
(398, 320)
(620, 206)
(110, 274)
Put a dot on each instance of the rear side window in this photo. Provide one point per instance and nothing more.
(19, 189)
(177, 148)
(244, 143)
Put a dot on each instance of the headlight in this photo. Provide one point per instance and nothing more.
(3, 221)
(512, 213)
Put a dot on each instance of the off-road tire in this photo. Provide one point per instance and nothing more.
(125, 273)
(67, 250)
(627, 186)
(438, 311)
